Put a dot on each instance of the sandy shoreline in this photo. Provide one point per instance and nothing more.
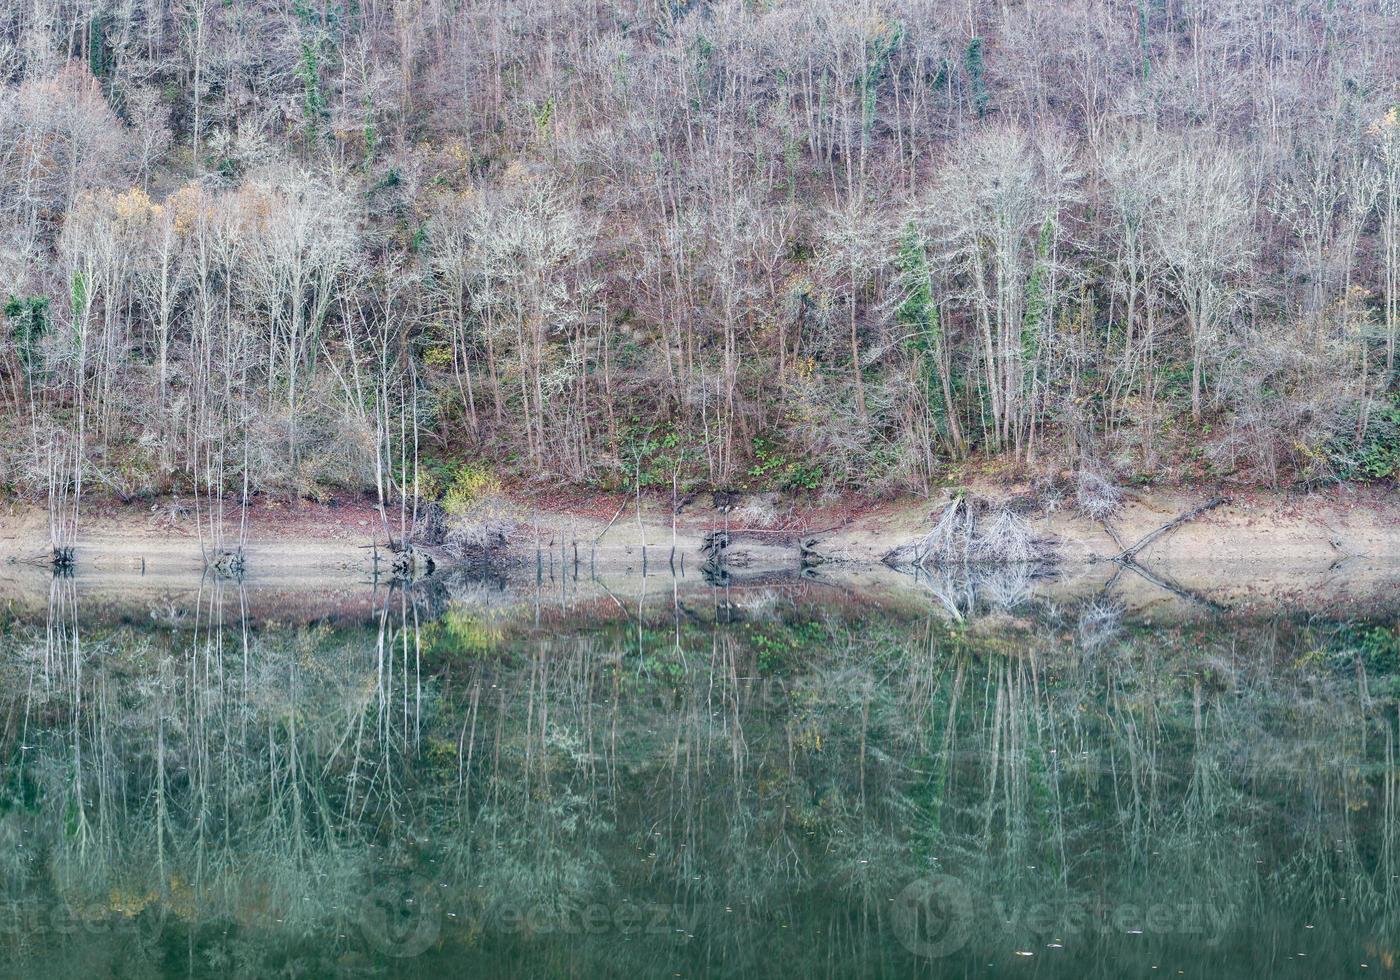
(1258, 548)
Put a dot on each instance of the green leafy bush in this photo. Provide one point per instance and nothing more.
(651, 454)
(773, 470)
(1376, 456)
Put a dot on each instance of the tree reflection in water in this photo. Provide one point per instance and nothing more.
(735, 781)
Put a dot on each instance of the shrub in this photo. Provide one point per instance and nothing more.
(479, 521)
(773, 470)
(1377, 455)
(1095, 496)
(468, 488)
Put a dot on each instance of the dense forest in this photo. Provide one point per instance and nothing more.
(319, 246)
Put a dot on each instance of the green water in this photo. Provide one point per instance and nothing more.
(779, 779)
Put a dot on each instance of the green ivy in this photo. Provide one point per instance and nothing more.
(371, 133)
(78, 293)
(99, 52)
(1376, 647)
(777, 645)
(29, 323)
(1037, 301)
(919, 315)
(877, 62)
(773, 470)
(308, 72)
(1375, 457)
(972, 61)
(543, 115)
(651, 454)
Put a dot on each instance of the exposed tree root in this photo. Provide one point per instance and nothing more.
(960, 536)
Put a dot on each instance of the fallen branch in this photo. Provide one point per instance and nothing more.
(1112, 534)
(1127, 554)
(610, 523)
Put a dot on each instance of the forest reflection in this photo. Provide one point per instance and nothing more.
(732, 781)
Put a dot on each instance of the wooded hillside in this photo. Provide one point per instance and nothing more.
(790, 244)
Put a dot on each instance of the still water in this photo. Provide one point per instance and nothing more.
(780, 778)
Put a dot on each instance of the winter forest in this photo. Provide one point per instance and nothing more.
(308, 247)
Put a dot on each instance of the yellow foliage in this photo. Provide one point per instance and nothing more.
(457, 152)
(191, 205)
(875, 26)
(809, 739)
(429, 488)
(134, 205)
(257, 206)
(1387, 129)
(182, 899)
(473, 482)
(515, 174)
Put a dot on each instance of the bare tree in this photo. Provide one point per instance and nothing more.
(1202, 234)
